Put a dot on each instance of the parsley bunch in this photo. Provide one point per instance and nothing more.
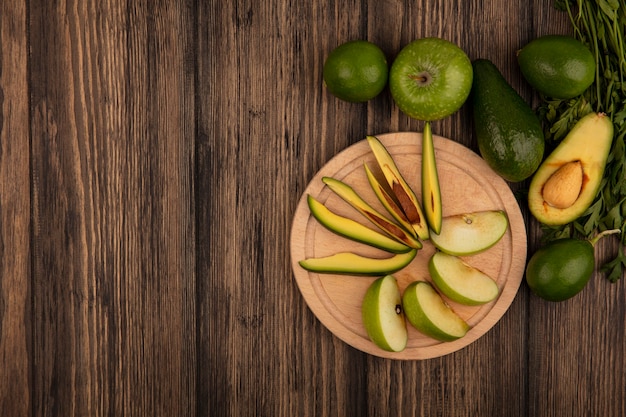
(601, 25)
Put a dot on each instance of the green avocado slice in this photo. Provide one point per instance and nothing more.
(388, 201)
(350, 196)
(403, 192)
(431, 192)
(353, 264)
(353, 230)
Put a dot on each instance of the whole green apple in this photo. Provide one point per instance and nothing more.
(430, 79)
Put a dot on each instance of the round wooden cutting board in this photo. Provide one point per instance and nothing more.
(467, 185)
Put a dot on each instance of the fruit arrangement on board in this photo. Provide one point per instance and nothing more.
(430, 79)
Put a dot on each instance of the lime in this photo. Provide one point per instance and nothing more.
(557, 66)
(356, 71)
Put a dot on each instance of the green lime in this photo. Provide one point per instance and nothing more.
(560, 269)
(356, 71)
(557, 66)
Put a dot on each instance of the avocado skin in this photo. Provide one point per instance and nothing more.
(561, 269)
(509, 134)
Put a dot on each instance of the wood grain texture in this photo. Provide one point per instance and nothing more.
(113, 223)
(152, 154)
(15, 250)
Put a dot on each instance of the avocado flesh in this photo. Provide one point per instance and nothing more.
(431, 192)
(404, 193)
(388, 201)
(589, 142)
(353, 230)
(509, 134)
(354, 264)
(351, 197)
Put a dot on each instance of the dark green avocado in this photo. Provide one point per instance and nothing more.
(509, 134)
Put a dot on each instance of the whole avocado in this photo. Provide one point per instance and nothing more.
(561, 269)
(557, 66)
(509, 134)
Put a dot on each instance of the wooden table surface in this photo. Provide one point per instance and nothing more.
(152, 154)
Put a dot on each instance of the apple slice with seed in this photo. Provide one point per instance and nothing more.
(470, 233)
(382, 315)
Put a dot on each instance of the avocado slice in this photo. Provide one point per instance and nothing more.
(431, 193)
(352, 264)
(568, 181)
(406, 197)
(350, 196)
(353, 230)
(387, 200)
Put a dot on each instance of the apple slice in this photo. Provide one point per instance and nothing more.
(382, 315)
(429, 314)
(470, 233)
(350, 196)
(460, 281)
(353, 230)
(406, 197)
(354, 264)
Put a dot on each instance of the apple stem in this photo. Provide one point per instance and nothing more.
(600, 235)
(423, 78)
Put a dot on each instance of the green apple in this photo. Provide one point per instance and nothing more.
(460, 281)
(382, 315)
(429, 314)
(430, 79)
(349, 195)
(354, 264)
(470, 233)
(353, 230)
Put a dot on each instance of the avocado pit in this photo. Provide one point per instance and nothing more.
(563, 187)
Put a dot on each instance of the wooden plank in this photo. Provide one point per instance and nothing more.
(113, 260)
(265, 125)
(577, 361)
(15, 290)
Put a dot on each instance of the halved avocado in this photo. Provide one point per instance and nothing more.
(354, 264)
(353, 230)
(406, 196)
(568, 181)
(431, 193)
(350, 196)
